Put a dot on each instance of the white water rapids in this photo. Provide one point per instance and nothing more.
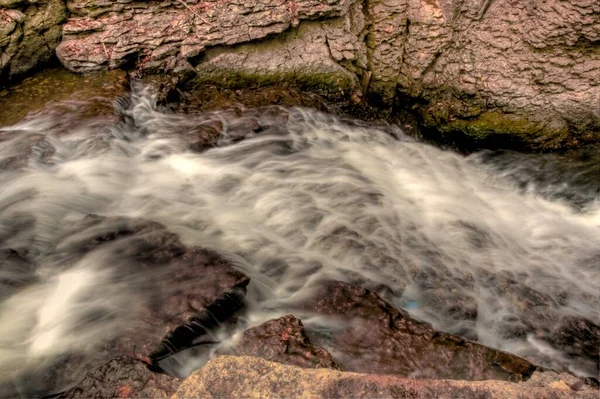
(310, 197)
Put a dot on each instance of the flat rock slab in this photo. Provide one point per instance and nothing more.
(237, 377)
(188, 289)
(61, 92)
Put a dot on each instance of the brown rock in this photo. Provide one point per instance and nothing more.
(124, 377)
(372, 336)
(522, 70)
(60, 92)
(176, 295)
(236, 377)
(189, 290)
(284, 341)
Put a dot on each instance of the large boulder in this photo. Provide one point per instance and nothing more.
(237, 377)
(466, 67)
(30, 30)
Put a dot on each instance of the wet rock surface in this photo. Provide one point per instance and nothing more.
(124, 377)
(374, 337)
(253, 377)
(282, 340)
(174, 295)
(60, 92)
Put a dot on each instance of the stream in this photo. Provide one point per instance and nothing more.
(495, 246)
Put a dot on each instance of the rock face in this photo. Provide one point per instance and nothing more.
(236, 377)
(30, 30)
(475, 67)
(174, 35)
(478, 66)
(124, 377)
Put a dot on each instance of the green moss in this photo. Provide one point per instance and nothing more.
(327, 83)
(492, 122)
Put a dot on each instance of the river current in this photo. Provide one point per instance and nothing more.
(492, 246)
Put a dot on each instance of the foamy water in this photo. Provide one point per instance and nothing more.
(309, 198)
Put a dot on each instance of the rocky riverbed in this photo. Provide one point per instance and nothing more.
(146, 231)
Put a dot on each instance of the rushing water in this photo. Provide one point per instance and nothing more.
(305, 196)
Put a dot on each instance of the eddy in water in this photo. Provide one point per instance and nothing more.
(499, 248)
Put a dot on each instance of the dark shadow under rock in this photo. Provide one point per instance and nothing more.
(282, 340)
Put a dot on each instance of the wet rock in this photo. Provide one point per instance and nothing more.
(159, 298)
(59, 92)
(372, 336)
(190, 289)
(16, 272)
(253, 377)
(284, 341)
(124, 377)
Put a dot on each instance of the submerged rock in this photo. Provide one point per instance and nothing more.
(229, 377)
(187, 290)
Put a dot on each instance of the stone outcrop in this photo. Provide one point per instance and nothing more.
(237, 377)
(30, 30)
(174, 36)
(478, 66)
(123, 377)
(474, 67)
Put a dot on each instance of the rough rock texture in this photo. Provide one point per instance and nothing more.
(30, 30)
(284, 341)
(56, 90)
(173, 36)
(124, 377)
(374, 337)
(478, 67)
(524, 68)
(237, 377)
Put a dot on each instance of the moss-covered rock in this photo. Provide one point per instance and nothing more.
(32, 32)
